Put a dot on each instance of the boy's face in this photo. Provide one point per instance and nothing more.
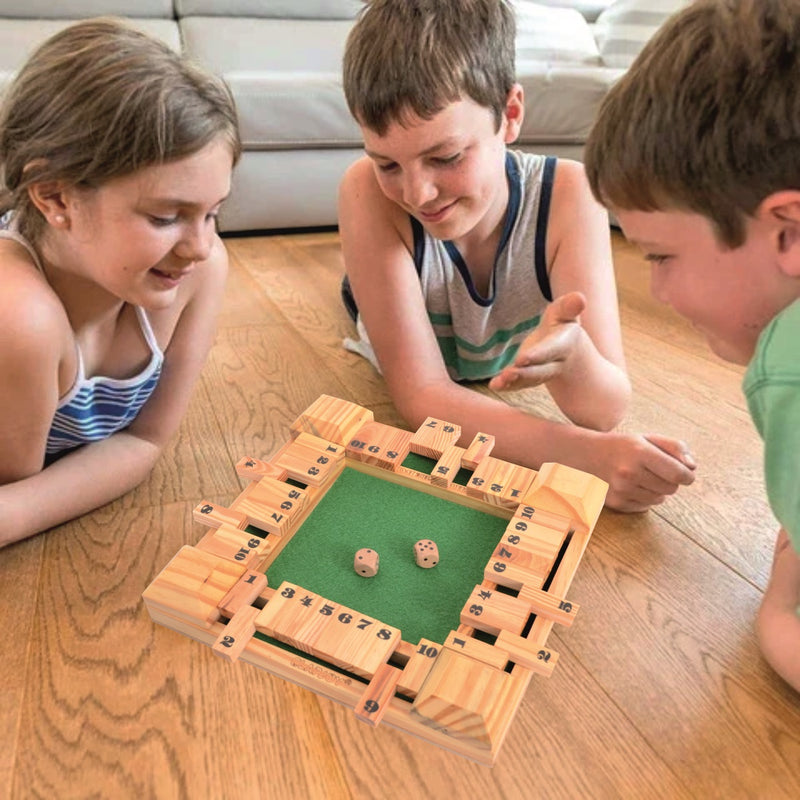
(728, 295)
(448, 171)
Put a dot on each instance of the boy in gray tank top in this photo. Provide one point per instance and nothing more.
(466, 261)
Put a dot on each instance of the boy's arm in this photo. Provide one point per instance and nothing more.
(376, 243)
(778, 622)
(577, 348)
(102, 471)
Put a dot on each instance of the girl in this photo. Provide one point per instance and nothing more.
(115, 155)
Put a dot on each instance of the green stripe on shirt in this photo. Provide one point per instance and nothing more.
(499, 337)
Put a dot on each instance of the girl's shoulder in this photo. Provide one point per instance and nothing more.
(28, 305)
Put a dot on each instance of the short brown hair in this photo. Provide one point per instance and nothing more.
(707, 119)
(416, 56)
(100, 100)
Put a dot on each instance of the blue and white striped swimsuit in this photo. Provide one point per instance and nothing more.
(97, 407)
(94, 408)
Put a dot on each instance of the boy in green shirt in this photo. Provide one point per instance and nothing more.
(697, 152)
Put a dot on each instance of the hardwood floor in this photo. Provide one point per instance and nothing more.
(660, 691)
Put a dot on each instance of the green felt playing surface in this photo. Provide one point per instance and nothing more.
(360, 510)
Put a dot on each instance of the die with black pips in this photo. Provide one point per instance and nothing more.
(426, 553)
(366, 562)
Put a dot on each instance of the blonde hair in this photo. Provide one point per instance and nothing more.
(708, 117)
(100, 100)
(417, 56)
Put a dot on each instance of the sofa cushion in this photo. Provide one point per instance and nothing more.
(553, 35)
(589, 8)
(288, 9)
(288, 92)
(623, 29)
(20, 37)
(561, 102)
(81, 9)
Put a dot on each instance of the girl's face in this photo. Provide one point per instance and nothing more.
(139, 236)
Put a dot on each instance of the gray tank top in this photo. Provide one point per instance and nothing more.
(478, 336)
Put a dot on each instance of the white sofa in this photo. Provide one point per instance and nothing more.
(282, 59)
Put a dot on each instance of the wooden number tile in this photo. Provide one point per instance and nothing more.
(381, 445)
(417, 667)
(500, 482)
(528, 513)
(310, 459)
(192, 585)
(491, 611)
(569, 492)
(433, 437)
(372, 704)
(517, 481)
(522, 651)
(212, 515)
(541, 543)
(356, 642)
(238, 632)
(243, 593)
(475, 648)
(480, 447)
(305, 619)
(254, 469)
(292, 616)
(236, 545)
(271, 505)
(327, 630)
(514, 568)
(447, 467)
(332, 419)
(467, 699)
(547, 605)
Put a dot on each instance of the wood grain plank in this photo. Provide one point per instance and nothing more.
(660, 690)
(669, 636)
(118, 707)
(20, 567)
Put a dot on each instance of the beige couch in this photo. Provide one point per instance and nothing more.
(282, 59)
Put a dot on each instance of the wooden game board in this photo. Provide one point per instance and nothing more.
(460, 693)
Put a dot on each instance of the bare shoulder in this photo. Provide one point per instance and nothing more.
(34, 319)
(571, 185)
(363, 207)
(574, 213)
(359, 182)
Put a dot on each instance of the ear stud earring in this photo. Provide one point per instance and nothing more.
(59, 219)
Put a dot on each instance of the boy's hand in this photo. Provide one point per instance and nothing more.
(549, 350)
(642, 471)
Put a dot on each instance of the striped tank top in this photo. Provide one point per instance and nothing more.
(98, 406)
(479, 336)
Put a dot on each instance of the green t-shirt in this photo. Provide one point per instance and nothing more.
(772, 388)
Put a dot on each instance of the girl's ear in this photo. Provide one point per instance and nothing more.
(781, 211)
(514, 113)
(49, 199)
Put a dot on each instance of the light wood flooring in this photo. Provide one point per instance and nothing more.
(660, 691)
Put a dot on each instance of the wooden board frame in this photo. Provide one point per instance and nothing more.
(461, 694)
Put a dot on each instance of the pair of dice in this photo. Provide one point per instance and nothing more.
(366, 562)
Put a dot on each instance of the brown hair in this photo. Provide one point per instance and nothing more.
(416, 56)
(100, 100)
(708, 117)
